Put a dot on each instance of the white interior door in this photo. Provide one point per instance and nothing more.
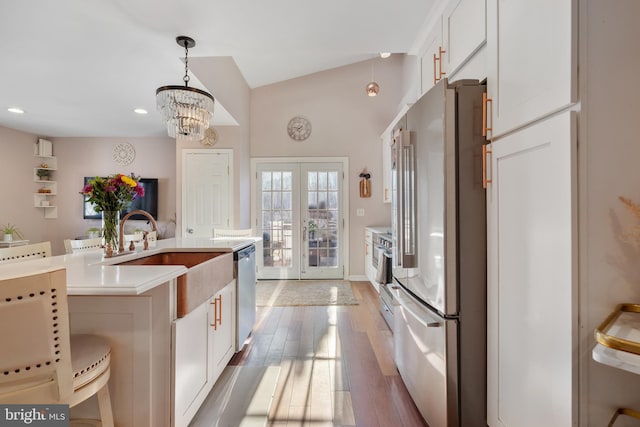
(207, 196)
(300, 211)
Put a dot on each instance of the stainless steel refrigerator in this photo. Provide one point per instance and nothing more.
(439, 254)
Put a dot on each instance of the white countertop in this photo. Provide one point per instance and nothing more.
(89, 273)
(381, 229)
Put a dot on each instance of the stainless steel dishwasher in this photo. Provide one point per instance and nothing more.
(244, 261)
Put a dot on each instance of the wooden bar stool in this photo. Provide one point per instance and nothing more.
(40, 362)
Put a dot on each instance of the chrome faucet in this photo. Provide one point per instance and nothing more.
(125, 218)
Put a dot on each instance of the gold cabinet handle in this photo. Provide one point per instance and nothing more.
(386, 194)
(440, 52)
(215, 314)
(485, 111)
(435, 77)
(485, 180)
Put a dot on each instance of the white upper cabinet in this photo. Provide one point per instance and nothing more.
(464, 31)
(429, 61)
(455, 36)
(531, 61)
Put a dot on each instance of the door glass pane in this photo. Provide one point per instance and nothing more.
(312, 181)
(266, 180)
(313, 199)
(333, 200)
(286, 201)
(277, 182)
(333, 180)
(286, 180)
(322, 180)
(276, 215)
(266, 200)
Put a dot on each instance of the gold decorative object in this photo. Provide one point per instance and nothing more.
(365, 184)
(614, 342)
(210, 137)
(623, 411)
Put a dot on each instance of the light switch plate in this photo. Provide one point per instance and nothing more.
(360, 212)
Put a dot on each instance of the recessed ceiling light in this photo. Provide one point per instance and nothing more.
(15, 110)
(140, 111)
(385, 54)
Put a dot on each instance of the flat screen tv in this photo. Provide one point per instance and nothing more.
(148, 202)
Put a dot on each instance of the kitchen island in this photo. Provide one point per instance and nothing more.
(163, 365)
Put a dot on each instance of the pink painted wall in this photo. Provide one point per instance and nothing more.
(77, 158)
(345, 123)
(17, 186)
(221, 76)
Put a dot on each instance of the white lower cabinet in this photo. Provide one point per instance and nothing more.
(369, 269)
(222, 336)
(191, 363)
(531, 293)
(202, 351)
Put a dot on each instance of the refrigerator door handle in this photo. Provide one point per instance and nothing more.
(398, 197)
(407, 211)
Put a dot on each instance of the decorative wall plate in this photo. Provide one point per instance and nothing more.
(210, 137)
(123, 153)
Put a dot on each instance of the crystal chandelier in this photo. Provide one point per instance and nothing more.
(186, 110)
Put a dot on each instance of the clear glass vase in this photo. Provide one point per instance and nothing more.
(110, 230)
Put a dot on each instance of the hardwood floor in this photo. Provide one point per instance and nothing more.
(335, 366)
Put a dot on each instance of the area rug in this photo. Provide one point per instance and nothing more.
(282, 293)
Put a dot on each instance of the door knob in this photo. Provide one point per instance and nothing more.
(190, 230)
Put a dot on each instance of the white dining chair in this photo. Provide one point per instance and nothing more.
(40, 362)
(25, 252)
(73, 246)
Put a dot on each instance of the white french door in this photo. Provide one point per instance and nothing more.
(300, 213)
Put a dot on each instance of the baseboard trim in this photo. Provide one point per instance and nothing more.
(358, 278)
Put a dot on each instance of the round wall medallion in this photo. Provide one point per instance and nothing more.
(299, 128)
(123, 153)
(210, 137)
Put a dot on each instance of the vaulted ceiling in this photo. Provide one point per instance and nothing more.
(80, 67)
